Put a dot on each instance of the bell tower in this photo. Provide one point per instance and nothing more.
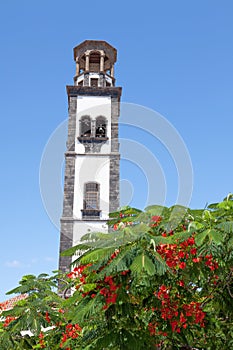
(91, 184)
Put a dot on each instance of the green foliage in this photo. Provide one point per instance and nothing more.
(160, 279)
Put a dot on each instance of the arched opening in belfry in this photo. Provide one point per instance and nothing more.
(101, 127)
(85, 126)
(94, 62)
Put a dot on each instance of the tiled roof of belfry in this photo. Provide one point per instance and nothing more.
(9, 304)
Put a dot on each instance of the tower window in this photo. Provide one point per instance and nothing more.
(85, 126)
(92, 133)
(94, 82)
(91, 200)
(91, 196)
(101, 127)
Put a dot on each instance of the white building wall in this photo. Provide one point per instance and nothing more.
(82, 227)
(94, 106)
(91, 169)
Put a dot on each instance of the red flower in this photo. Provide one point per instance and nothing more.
(174, 325)
(113, 287)
(108, 279)
(104, 291)
(156, 219)
(111, 299)
(182, 265)
(191, 241)
(209, 257)
(72, 331)
(181, 283)
(48, 319)
(181, 254)
(8, 320)
(182, 318)
(193, 251)
(115, 254)
(82, 280)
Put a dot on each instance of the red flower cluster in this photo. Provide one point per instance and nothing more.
(155, 220)
(116, 252)
(72, 331)
(79, 275)
(153, 331)
(178, 316)
(78, 271)
(106, 287)
(213, 265)
(8, 320)
(194, 310)
(48, 319)
(41, 340)
(109, 291)
(177, 254)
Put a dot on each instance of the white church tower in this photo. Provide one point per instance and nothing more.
(91, 184)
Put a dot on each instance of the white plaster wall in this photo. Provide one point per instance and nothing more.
(93, 106)
(92, 168)
(82, 227)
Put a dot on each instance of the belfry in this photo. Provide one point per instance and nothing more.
(91, 183)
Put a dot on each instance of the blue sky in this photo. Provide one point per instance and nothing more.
(174, 57)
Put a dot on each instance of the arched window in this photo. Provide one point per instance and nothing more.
(94, 62)
(91, 196)
(101, 127)
(85, 126)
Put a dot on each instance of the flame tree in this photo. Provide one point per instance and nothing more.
(160, 279)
